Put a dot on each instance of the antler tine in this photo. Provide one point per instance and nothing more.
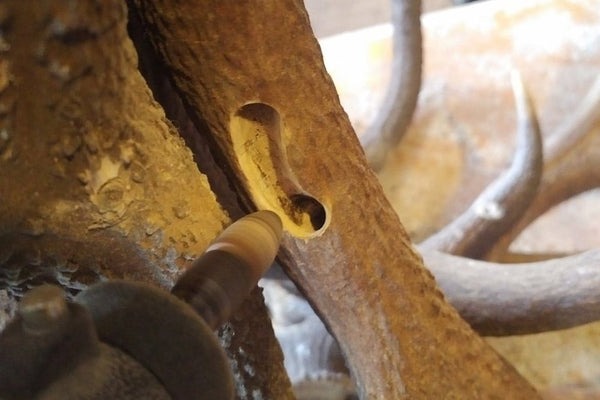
(572, 165)
(506, 199)
(502, 299)
(400, 101)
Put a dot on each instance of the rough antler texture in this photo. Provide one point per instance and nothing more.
(93, 173)
(542, 303)
(400, 101)
(501, 299)
(271, 108)
(502, 203)
(495, 299)
(95, 183)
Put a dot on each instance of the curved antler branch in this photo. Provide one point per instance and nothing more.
(400, 101)
(266, 136)
(571, 165)
(496, 300)
(503, 299)
(504, 201)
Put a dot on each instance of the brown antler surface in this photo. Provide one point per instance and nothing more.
(464, 96)
(89, 163)
(276, 118)
(95, 183)
(496, 299)
(516, 299)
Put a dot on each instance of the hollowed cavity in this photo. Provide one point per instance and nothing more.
(310, 206)
(256, 135)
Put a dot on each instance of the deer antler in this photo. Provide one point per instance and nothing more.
(504, 201)
(571, 166)
(266, 135)
(400, 101)
(501, 299)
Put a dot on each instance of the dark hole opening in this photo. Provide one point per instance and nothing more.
(312, 207)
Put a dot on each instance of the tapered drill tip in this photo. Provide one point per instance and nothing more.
(254, 239)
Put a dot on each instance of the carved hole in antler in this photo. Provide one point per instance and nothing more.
(314, 209)
(256, 135)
